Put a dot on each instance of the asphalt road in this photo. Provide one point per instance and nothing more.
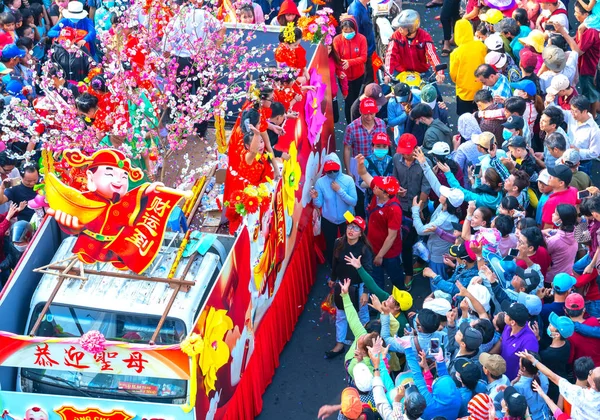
(305, 380)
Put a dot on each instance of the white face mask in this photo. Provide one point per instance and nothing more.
(21, 248)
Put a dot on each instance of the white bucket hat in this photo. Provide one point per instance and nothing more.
(75, 11)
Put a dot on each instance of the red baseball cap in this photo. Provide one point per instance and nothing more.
(368, 106)
(360, 222)
(406, 144)
(528, 59)
(389, 184)
(381, 138)
(574, 301)
(331, 165)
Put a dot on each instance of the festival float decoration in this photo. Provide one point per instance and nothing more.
(319, 27)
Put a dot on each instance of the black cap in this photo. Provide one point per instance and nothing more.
(401, 89)
(414, 402)
(514, 122)
(562, 172)
(518, 141)
(515, 402)
(457, 226)
(460, 251)
(472, 337)
(469, 372)
(516, 311)
(530, 276)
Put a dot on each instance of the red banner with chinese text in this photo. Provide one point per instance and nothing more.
(138, 244)
(71, 413)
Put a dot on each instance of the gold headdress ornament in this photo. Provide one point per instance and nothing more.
(103, 157)
(289, 35)
(254, 92)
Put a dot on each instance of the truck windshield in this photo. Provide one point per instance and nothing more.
(69, 321)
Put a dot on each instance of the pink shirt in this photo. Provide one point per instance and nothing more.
(568, 196)
(562, 248)
(506, 243)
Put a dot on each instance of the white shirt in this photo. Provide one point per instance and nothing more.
(585, 136)
(191, 26)
(570, 71)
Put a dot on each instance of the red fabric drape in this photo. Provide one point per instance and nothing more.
(275, 330)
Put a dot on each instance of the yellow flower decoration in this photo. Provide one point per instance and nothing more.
(251, 191)
(288, 33)
(263, 191)
(192, 345)
(291, 178)
(215, 353)
(209, 352)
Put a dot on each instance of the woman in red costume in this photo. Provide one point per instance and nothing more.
(290, 53)
(254, 165)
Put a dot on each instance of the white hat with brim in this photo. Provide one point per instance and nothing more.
(74, 11)
(5, 70)
(455, 196)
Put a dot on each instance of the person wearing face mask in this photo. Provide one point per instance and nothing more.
(556, 355)
(335, 194)
(380, 162)
(399, 106)
(351, 47)
(75, 17)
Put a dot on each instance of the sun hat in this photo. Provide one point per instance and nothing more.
(74, 11)
(481, 293)
(485, 139)
(500, 4)
(536, 39)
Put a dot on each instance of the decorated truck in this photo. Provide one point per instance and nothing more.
(109, 314)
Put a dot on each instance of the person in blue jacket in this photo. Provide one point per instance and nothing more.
(335, 194)
(445, 399)
(77, 18)
(404, 99)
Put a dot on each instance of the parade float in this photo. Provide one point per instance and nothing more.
(119, 310)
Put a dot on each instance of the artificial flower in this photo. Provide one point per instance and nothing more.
(291, 178)
(215, 353)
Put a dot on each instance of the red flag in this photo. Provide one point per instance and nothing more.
(377, 63)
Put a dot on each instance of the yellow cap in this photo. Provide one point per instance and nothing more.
(492, 16)
(403, 298)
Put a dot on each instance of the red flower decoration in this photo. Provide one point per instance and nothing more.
(250, 203)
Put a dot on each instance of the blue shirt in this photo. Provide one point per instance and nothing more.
(85, 24)
(365, 24)
(537, 406)
(538, 213)
(334, 204)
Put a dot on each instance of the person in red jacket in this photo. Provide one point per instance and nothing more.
(288, 12)
(351, 47)
(411, 48)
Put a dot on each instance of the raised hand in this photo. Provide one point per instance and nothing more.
(353, 261)
(345, 286)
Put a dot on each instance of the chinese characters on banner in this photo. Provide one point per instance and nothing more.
(73, 357)
(71, 413)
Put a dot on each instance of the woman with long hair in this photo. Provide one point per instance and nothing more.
(353, 244)
(561, 243)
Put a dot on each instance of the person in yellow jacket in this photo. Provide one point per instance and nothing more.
(464, 60)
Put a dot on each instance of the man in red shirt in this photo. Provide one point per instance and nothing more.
(385, 222)
(532, 251)
(587, 45)
(411, 48)
(581, 345)
(560, 178)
